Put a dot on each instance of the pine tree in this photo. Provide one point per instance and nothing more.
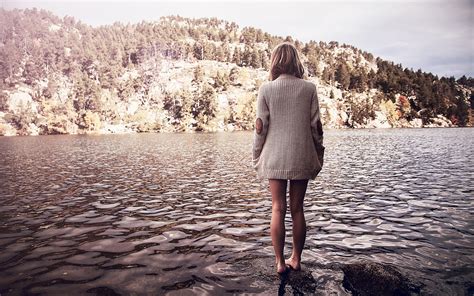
(237, 57)
(265, 60)
(204, 106)
(312, 65)
(209, 51)
(221, 81)
(198, 51)
(198, 74)
(342, 75)
(325, 76)
(226, 52)
(371, 77)
(246, 57)
(255, 61)
(220, 55)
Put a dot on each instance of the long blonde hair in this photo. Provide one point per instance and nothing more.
(285, 60)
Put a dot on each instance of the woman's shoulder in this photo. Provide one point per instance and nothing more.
(265, 85)
(310, 85)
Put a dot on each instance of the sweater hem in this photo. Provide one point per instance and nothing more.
(265, 173)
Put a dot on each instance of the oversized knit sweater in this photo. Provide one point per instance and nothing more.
(288, 140)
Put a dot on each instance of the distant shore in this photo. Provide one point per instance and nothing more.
(127, 129)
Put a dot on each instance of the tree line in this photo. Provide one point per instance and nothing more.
(36, 45)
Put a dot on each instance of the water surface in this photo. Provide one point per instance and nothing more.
(184, 213)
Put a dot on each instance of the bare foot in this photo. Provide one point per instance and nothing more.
(293, 263)
(281, 267)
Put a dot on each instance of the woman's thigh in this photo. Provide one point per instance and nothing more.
(278, 191)
(297, 193)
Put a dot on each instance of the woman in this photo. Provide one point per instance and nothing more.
(288, 145)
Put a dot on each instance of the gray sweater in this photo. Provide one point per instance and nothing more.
(288, 140)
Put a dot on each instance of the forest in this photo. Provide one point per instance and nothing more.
(58, 75)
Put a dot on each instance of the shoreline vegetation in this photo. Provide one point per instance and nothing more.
(130, 130)
(60, 76)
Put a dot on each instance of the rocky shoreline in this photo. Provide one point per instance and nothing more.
(132, 129)
(170, 102)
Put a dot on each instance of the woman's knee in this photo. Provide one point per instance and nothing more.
(279, 207)
(278, 191)
(296, 209)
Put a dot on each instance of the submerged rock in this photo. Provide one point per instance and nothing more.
(370, 278)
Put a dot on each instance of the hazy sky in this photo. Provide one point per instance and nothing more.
(434, 35)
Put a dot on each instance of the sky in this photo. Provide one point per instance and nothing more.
(433, 35)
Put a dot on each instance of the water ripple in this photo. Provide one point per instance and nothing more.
(184, 213)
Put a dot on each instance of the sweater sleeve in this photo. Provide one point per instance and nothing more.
(261, 125)
(317, 127)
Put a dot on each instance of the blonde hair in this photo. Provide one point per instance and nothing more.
(285, 60)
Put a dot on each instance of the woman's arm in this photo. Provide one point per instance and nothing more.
(317, 127)
(261, 124)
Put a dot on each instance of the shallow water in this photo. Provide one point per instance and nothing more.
(184, 213)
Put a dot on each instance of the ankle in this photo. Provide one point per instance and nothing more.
(295, 258)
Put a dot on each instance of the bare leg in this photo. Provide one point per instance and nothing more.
(297, 193)
(277, 225)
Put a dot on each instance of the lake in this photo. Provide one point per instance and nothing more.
(184, 213)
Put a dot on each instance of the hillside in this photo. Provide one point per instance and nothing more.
(60, 76)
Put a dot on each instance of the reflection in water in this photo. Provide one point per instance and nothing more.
(156, 213)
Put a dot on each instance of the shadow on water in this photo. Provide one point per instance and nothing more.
(180, 214)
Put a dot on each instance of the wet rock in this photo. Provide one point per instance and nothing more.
(106, 291)
(302, 282)
(369, 278)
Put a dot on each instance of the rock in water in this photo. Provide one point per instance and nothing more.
(369, 278)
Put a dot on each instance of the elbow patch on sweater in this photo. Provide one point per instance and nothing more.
(319, 127)
(258, 126)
